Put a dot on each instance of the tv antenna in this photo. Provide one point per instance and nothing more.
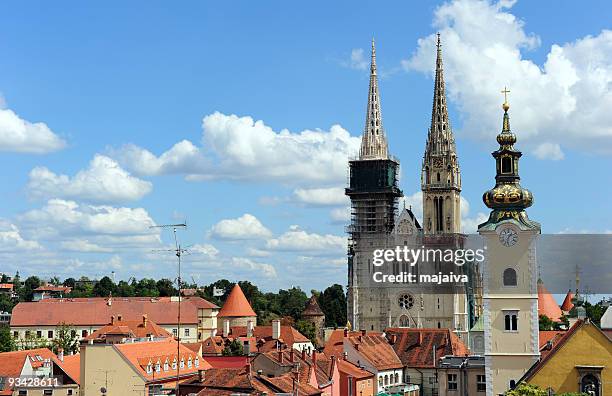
(178, 251)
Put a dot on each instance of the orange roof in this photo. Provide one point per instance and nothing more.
(130, 328)
(97, 311)
(414, 346)
(236, 305)
(72, 366)
(288, 334)
(313, 308)
(375, 349)
(335, 343)
(51, 288)
(567, 302)
(6, 286)
(547, 304)
(11, 363)
(140, 354)
(349, 368)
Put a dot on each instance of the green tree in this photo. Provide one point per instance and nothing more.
(124, 289)
(82, 288)
(166, 288)
(17, 284)
(545, 323)
(234, 348)
(333, 303)
(308, 329)
(146, 287)
(292, 302)
(105, 287)
(30, 284)
(7, 342)
(66, 339)
(55, 281)
(32, 341)
(4, 278)
(69, 282)
(6, 303)
(533, 390)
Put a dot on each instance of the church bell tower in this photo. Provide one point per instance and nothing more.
(440, 174)
(510, 278)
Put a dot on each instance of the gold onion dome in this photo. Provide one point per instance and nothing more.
(507, 195)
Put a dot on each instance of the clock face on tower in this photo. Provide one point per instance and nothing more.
(508, 237)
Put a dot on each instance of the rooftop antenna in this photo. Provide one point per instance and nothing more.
(178, 251)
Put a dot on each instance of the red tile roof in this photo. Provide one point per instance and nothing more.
(567, 302)
(375, 349)
(72, 366)
(11, 363)
(288, 334)
(130, 328)
(349, 368)
(6, 286)
(335, 343)
(313, 308)
(140, 354)
(236, 305)
(227, 361)
(52, 288)
(547, 304)
(97, 311)
(415, 346)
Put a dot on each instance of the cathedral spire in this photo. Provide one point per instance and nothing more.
(440, 139)
(373, 141)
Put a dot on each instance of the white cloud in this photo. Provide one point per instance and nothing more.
(564, 101)
(19, 135)
(83, 245)
(296, 239)
(103, 181)
(358, 59)
(267, 270)
(332, 196)
(415, 203)
(102, 227)
(253, 252)
(206, 250)
(240, 148)
(341, 215)
(11, 239)
(549, 151)
(244, 227)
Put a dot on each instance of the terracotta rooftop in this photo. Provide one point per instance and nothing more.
(98, 311)
(236, 305)
(415, 346)
(567, 304)
(335, 343)
(5, 286)
(349, 368)
(141, 354)
(313, 308)
(72, 366)
(11, 363)
(52, 288)
(130, 329)
(376, 350)
(547, 304)
(288, 334)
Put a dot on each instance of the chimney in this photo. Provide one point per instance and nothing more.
(226, 328)
(201, 375)
(363, 332)
(314, 358)
(248, 369)
(304, 353)
(246, 348)
(249, 328)
(420, 340)
(60, 354)
(112, 319)
(144, 320)
(345, 332)
(276, 329)
(291, 355)
(109, 302)
(344, 355)
(280, 356)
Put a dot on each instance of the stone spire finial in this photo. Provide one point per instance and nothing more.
(373, 141)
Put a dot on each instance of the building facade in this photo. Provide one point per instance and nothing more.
(376, 223)
(510, 279)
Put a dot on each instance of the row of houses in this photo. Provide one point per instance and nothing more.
(136, 355)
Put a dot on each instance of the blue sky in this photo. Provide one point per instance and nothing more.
(150, 111)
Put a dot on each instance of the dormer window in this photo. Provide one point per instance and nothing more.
(182, 364)
(149, 368)
(174, 364)
(157, 367)
(189, 363)
(166, 366)
(197, 362)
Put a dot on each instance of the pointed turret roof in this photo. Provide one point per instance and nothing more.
(313, 308)
(567, 302)
(236, 305)
(547, 304)
(440, 139)
(373, 141)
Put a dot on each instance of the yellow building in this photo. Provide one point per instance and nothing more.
(578, 361)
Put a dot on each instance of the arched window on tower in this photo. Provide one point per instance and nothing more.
(438, 176)
(509, 277)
